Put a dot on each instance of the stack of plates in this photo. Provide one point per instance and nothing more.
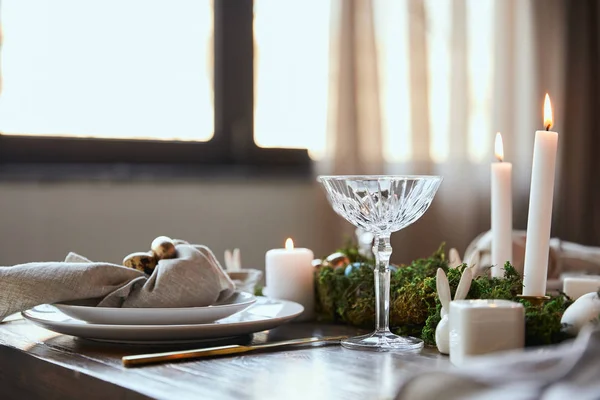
(242, 314)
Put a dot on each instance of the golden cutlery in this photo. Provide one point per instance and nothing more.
(144, 359)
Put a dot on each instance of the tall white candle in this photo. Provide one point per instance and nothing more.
(289, 275)
(501, 211)
(540, 208)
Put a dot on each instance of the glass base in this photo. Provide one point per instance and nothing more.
(384, 341)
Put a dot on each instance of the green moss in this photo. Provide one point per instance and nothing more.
(542, 324)
(414, 305)
(428, 331)
(356, 303)
(328, 292)
(496, 288)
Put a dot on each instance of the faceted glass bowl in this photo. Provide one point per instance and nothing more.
(381, 204)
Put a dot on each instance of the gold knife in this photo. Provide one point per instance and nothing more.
(144, 359)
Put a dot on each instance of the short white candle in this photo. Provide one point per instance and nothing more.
(501, 211)
(540, 208)
(480, 327)
(289, 275)
(577, 286)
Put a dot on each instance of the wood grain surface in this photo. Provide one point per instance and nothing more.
(38, 364)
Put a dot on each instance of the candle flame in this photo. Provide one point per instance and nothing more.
(548, 121)
(499, 147)
(289, 244)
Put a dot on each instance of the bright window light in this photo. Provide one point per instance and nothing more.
(439, 34)
(107, 68)
(480, 42)
(391, 22)
(292, 59)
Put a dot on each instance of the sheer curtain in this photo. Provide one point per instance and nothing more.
(421, 87)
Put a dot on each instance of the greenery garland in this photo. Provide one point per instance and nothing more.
(346, 294)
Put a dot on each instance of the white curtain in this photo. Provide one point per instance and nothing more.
(421, 87)
(1, 36)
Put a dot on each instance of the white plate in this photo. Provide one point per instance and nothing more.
(264, 314)
(159, 316)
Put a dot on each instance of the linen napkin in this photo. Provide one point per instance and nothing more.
(563, 256)
(193, 279)
(567, 371)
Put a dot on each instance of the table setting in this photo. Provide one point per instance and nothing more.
(181, 294)
(484, 324)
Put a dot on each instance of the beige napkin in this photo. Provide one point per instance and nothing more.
(567, 371)
(563, 257)
(193, 279)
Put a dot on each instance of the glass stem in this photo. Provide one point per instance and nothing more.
(382, 250)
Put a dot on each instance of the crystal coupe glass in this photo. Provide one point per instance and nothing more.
(381, 205)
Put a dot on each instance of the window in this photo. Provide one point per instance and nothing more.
(74, 68)
(228, 81)
(292, 79)
(87, 81)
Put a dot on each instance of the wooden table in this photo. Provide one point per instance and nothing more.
(38, 364)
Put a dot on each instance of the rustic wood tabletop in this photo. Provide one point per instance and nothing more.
(39, 364)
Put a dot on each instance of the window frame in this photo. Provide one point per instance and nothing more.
(231, 145)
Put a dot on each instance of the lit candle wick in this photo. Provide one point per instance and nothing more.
(499, 148)
(548, 120)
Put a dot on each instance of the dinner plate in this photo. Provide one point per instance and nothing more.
(262, 315)
(159, 316)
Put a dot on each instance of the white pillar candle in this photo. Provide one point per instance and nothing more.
(577, 286)
(289, 275)
(540, 208)
(501, 211)
(480, 327)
